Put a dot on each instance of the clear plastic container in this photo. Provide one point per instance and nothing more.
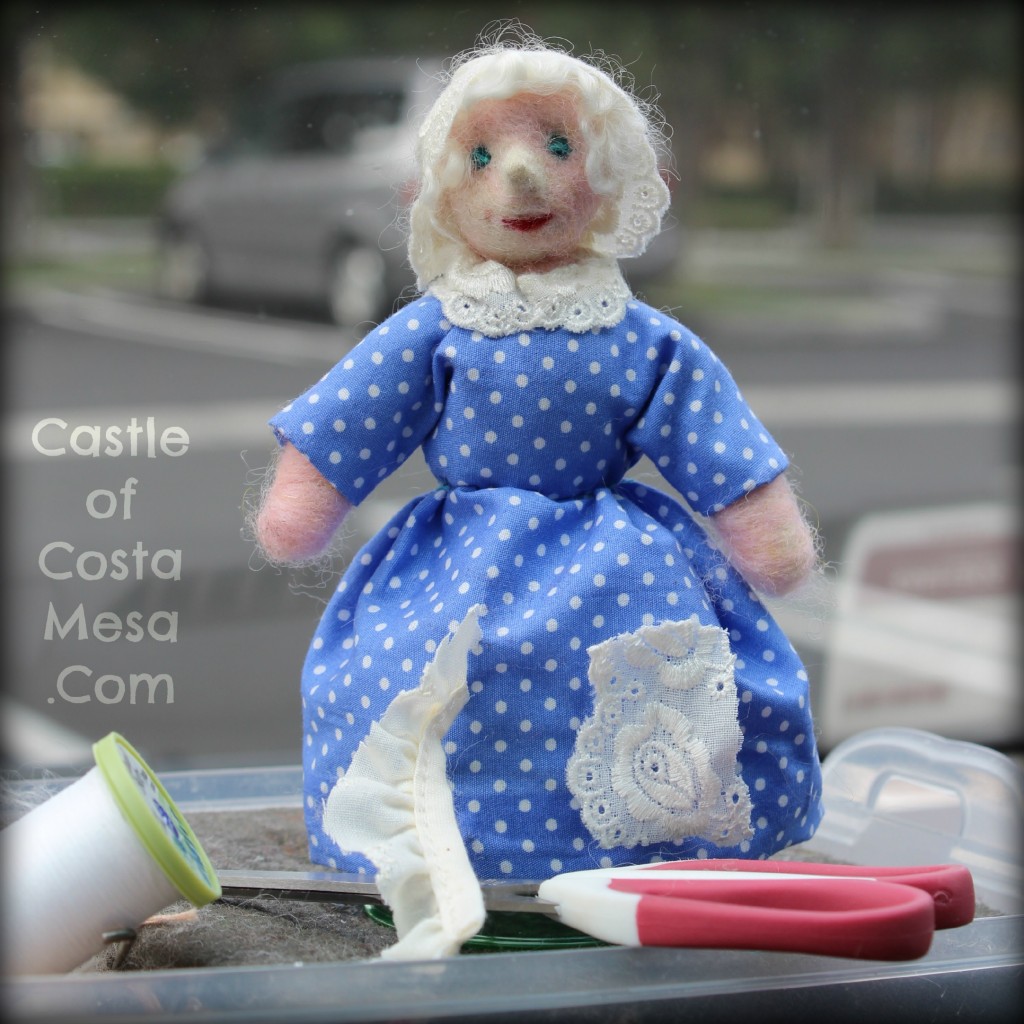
(895, 796)
(904, 796)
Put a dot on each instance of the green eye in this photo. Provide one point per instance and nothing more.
(480, 157)
(559, 146)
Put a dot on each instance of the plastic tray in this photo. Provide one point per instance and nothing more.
(892, 796)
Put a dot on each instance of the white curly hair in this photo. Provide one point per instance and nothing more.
(626, 145)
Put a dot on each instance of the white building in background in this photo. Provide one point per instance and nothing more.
(970, 137)
(71, 116)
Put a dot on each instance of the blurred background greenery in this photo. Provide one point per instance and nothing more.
(906, 106)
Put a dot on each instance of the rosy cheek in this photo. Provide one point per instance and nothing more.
(586, 202)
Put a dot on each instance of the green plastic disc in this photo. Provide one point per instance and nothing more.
(153, 817)
(505, 932)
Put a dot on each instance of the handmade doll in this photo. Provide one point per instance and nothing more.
(626, 696)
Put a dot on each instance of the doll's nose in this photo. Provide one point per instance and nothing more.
(522, 171)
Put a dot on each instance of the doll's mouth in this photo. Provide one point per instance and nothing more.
(534, 223)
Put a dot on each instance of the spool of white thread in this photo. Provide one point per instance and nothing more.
(101, 855)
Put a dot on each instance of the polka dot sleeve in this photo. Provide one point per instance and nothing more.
(697, 428)
(366, 416)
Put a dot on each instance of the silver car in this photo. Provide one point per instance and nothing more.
(303, 203)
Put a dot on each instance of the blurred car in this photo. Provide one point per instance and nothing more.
(302, 202)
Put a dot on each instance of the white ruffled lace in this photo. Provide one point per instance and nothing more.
(489, 298)
(394, 806)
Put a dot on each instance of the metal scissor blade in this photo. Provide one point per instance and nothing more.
(316, 886)
(349, 887)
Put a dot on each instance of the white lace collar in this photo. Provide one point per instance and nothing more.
(489, 298)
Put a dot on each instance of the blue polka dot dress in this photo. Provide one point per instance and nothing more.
(530, 437)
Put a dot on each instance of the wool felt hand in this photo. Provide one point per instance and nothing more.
(301, 511)
(767, 539)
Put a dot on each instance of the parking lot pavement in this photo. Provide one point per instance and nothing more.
(898, 281)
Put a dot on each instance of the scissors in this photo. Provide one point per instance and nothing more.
(875, 913)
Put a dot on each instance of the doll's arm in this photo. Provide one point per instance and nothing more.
(300, 512)
(766, 538)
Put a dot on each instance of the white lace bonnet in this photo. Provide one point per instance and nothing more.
(623, 136)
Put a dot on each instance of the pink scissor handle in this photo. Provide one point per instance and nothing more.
(950, 886)
(737, 904)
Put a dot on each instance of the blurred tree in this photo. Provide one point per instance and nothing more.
(14, 183)
(814, 79)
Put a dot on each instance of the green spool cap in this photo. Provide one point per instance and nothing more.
(159, 825)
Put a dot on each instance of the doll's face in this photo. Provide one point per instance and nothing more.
(525, 201)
